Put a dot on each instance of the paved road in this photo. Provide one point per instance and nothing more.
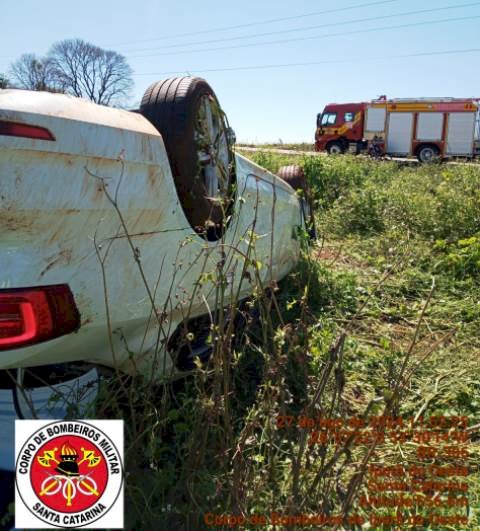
(324, 154)
(283, 151)
(313, 153)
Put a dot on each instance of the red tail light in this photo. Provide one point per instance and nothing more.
(25, 131)
(33, 315)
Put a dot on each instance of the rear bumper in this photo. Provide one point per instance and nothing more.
(49, 402)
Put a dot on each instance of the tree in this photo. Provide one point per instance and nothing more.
(4, 82)
(32, 73)
(82, 69)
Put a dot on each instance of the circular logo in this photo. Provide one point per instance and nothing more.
(69, 473)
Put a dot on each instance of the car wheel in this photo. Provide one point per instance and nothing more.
(428, 154)
(335, 148)
(296, 178)
(194, 128)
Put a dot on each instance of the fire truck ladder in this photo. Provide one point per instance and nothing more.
(420, 100)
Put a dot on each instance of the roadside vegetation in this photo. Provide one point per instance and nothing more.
(380, 318)
(421, 227)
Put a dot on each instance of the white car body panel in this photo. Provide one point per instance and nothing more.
(51, 207)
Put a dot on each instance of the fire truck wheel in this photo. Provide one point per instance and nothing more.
(335, 148)
(428, 153)
(296, 178)
(194, 128)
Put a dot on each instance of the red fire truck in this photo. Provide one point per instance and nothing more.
(428, 128)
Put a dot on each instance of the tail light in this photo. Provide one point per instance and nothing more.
(25, 131)
(33, 315)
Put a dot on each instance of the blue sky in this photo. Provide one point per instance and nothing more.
(356, 60)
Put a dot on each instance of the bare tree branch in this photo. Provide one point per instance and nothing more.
(76, 67)
(87, 71)
(33, 73)
(4, 81)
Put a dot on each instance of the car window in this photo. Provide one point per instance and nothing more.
(349, 117)
(329, 118)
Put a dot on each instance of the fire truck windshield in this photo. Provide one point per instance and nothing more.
(329, 118)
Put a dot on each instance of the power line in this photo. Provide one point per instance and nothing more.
(250, 24)
(268, 21)
(261, 22)
(312, 63)
(321, 36)
(307, 28)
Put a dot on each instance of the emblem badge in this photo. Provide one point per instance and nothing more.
(69, 473)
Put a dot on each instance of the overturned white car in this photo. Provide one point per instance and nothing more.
(112, 226)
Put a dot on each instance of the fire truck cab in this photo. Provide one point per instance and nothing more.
(428, 128)
(340, 128)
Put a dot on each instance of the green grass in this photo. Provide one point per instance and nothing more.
(394, 276)
(423, 224)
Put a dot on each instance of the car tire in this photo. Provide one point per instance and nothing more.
(335, 148)
(296, 178)
(428, 153)
(195, 131)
